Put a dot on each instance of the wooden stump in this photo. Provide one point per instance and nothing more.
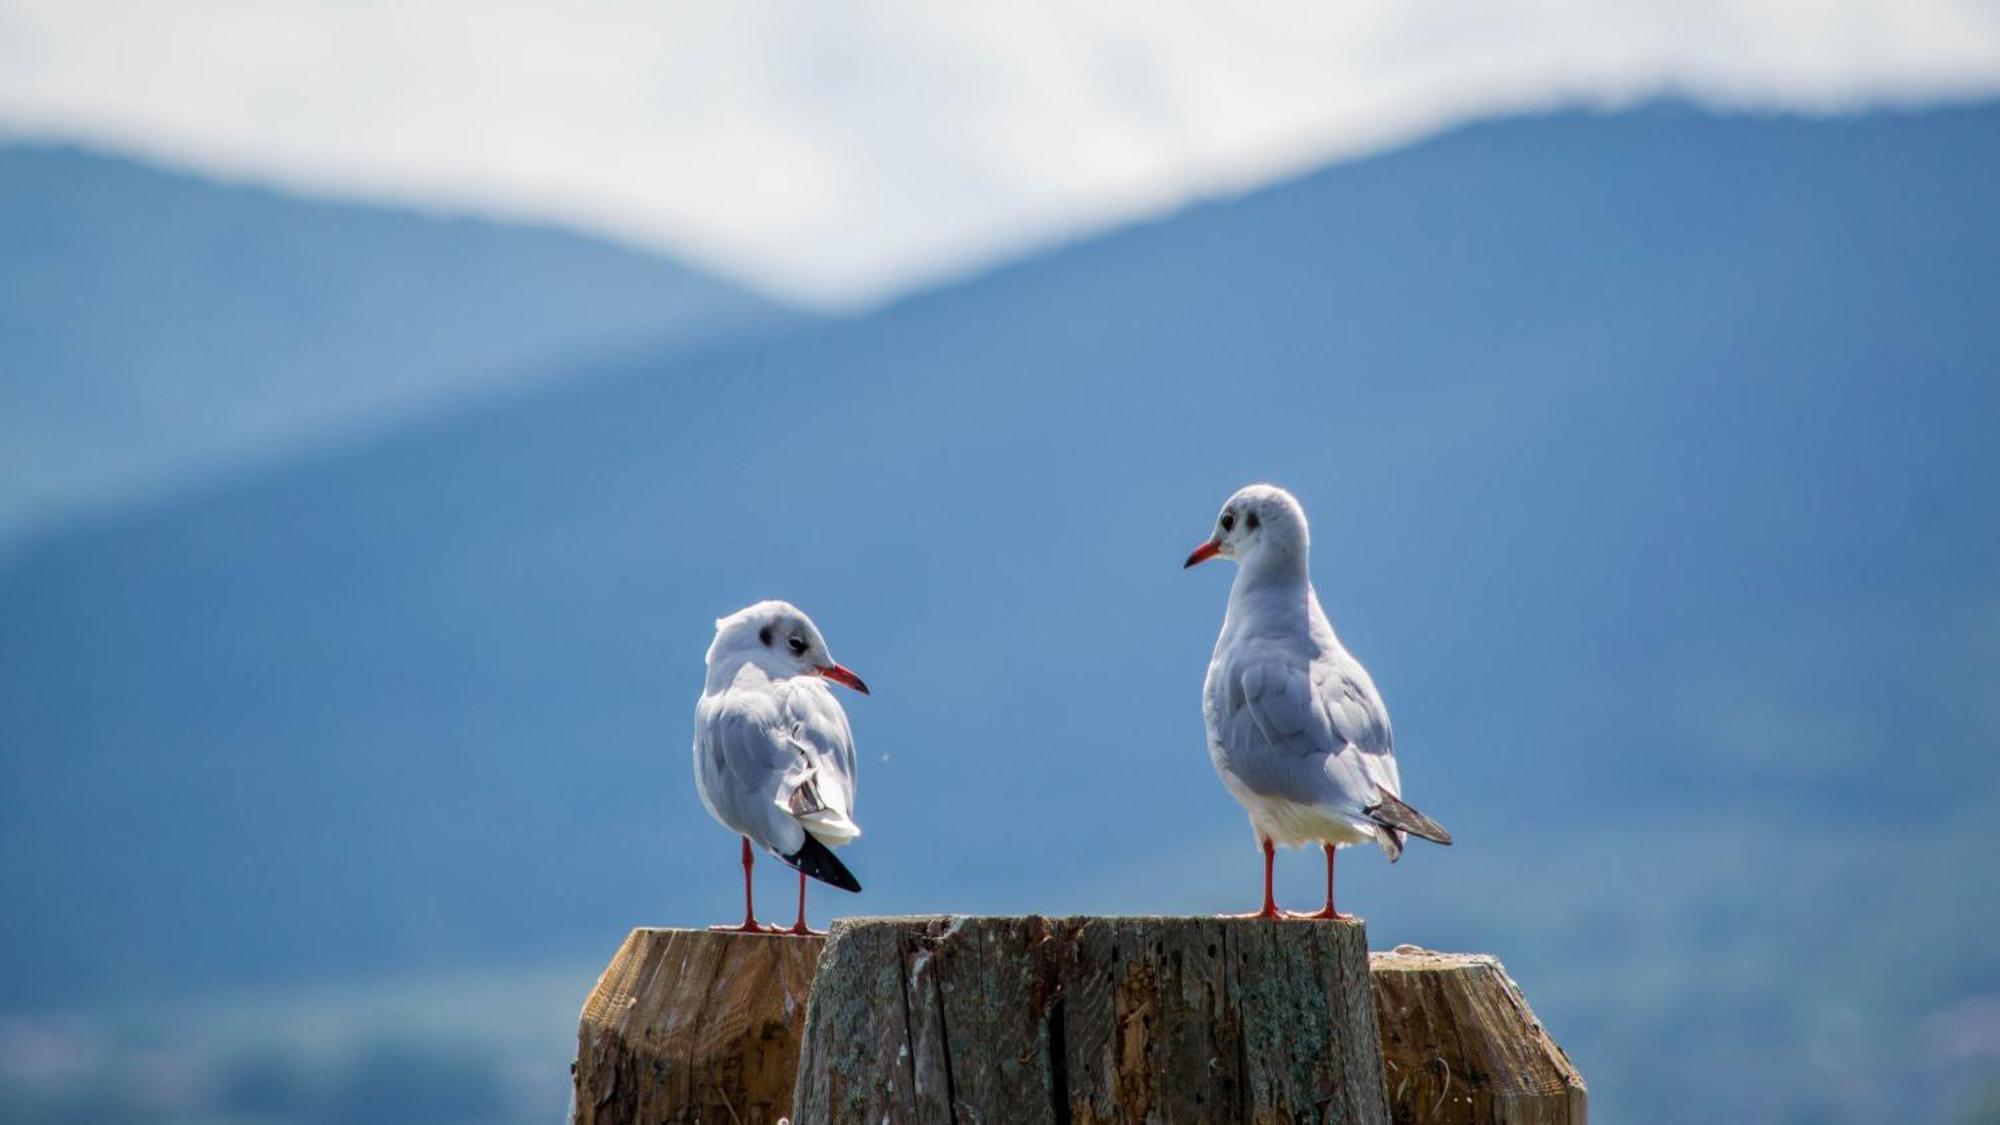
(1083, 1020)
(690, 1026)
(1460, 1046)
(1018, 1021)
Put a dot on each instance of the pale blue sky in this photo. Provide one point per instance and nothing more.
(839, 152)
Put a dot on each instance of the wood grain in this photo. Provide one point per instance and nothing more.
(1038, 1021)
(1076, 1020)
(1460, 1046)
(689, 1026)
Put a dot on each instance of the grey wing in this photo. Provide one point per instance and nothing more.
(1283, 736)
(742, 759)
(1358, 716)
(821, 793)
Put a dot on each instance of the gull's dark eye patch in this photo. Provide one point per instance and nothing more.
(798, 646)
(1250, 521)
(1228, 521)
(764, 635)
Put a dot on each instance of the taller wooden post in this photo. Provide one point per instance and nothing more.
(1038, 1021)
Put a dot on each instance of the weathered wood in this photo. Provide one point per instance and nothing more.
(1033, 1020)
(1460, 1046)
(1130, 1019)
(690, 1026)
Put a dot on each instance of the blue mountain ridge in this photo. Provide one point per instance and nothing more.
(158, 327)
(1650, 465)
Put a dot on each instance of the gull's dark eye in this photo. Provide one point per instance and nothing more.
(1250, 521)
(764, 635)
(1228, 521)
(798, 646)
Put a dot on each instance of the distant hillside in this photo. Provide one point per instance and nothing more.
(1652, 467)
(155, 327)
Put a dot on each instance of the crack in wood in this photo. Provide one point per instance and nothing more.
(1059, 1100)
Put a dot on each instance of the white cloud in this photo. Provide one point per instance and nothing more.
(839, 150)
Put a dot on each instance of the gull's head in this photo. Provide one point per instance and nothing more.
(780, 639)
(1262, 522)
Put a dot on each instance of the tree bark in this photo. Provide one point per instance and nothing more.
(1460, 1046)
(1025, 1021)
(689, 1026)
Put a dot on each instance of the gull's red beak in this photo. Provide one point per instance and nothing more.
(1202, 554)
(841, 675)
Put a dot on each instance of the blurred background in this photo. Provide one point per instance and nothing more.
(391, 396)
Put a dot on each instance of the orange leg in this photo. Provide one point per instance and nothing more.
(1270, 904)
(1328, 911)
(750, 924)
(800, 927)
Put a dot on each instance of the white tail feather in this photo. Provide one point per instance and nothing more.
(831, 828)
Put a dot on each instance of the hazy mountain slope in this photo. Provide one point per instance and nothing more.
(155, 326)
(1651, 465)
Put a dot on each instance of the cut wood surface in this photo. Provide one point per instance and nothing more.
(1019, 1021)
(691, 1026)
(1460, 1046)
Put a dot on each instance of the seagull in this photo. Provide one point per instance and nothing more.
(1295, 726)
(773, 757)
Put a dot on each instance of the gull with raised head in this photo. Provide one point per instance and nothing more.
(773, 755)
(1295, 726)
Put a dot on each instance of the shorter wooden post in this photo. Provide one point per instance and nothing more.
(690, 1026)
(1460, 1046)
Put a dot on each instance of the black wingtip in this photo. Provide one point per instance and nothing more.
(818, 861)
(1392, 813)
